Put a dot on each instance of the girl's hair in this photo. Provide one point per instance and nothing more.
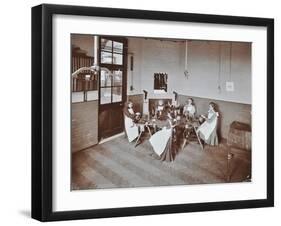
(192, 101)
(213, 105)
(128, 103)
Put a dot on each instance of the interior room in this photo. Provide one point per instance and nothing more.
(159, 111)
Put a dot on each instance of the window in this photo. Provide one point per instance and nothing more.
(111, 52)
(111, 86)
(84, 85)
(111, 80)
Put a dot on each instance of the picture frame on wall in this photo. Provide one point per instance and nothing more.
(138, 112)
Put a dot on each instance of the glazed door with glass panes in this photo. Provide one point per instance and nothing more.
(112, 87)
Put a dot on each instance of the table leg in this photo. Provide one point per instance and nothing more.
(184, 143)
(198, 138)
(138, 139)
(184, 139)
(149, 130)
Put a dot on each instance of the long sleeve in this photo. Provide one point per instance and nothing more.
(184, 109)
(212, 118)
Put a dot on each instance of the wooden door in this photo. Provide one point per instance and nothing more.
(112, 87)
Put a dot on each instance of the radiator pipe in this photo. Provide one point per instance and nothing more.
(96, 50)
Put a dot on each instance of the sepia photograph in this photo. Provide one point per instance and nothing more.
(142, 112)
(159, 112)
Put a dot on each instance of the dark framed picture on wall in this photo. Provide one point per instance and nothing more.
(146, 112)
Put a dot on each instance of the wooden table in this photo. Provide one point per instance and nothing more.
(142, 126)
(194, 126)
(147, 124)
(182, 124)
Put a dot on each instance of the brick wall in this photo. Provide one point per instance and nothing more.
(84, 132)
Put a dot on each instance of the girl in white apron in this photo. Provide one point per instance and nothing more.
(160, 110)
(131, 128)
(162, 142)
(208, 130)
(189, 109)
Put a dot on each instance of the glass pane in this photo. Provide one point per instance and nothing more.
(105, 95)
(106, 45)
(105, 78)
(106, 57)
(117, 58)
(117, 94)
(117, 78)
(118, 47)
(77, 97)
(92, 95)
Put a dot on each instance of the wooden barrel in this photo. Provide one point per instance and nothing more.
(240, 136)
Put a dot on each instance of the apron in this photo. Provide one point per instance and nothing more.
(160, 109)
(159, 140)
(208, 127)
(131, 128)
(191, 110)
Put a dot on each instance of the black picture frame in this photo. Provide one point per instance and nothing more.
(42, 111)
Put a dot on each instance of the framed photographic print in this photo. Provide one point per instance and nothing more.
(146, 112)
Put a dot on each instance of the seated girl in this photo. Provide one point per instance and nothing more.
(131, 128)
(207, 131)
(162, 141)
(160, 110)
(174, 107)
(189, 109)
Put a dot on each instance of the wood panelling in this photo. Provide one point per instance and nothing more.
(84, 125)
(229, 112)
(111, 121)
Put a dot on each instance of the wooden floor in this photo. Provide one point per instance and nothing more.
(117, 164)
